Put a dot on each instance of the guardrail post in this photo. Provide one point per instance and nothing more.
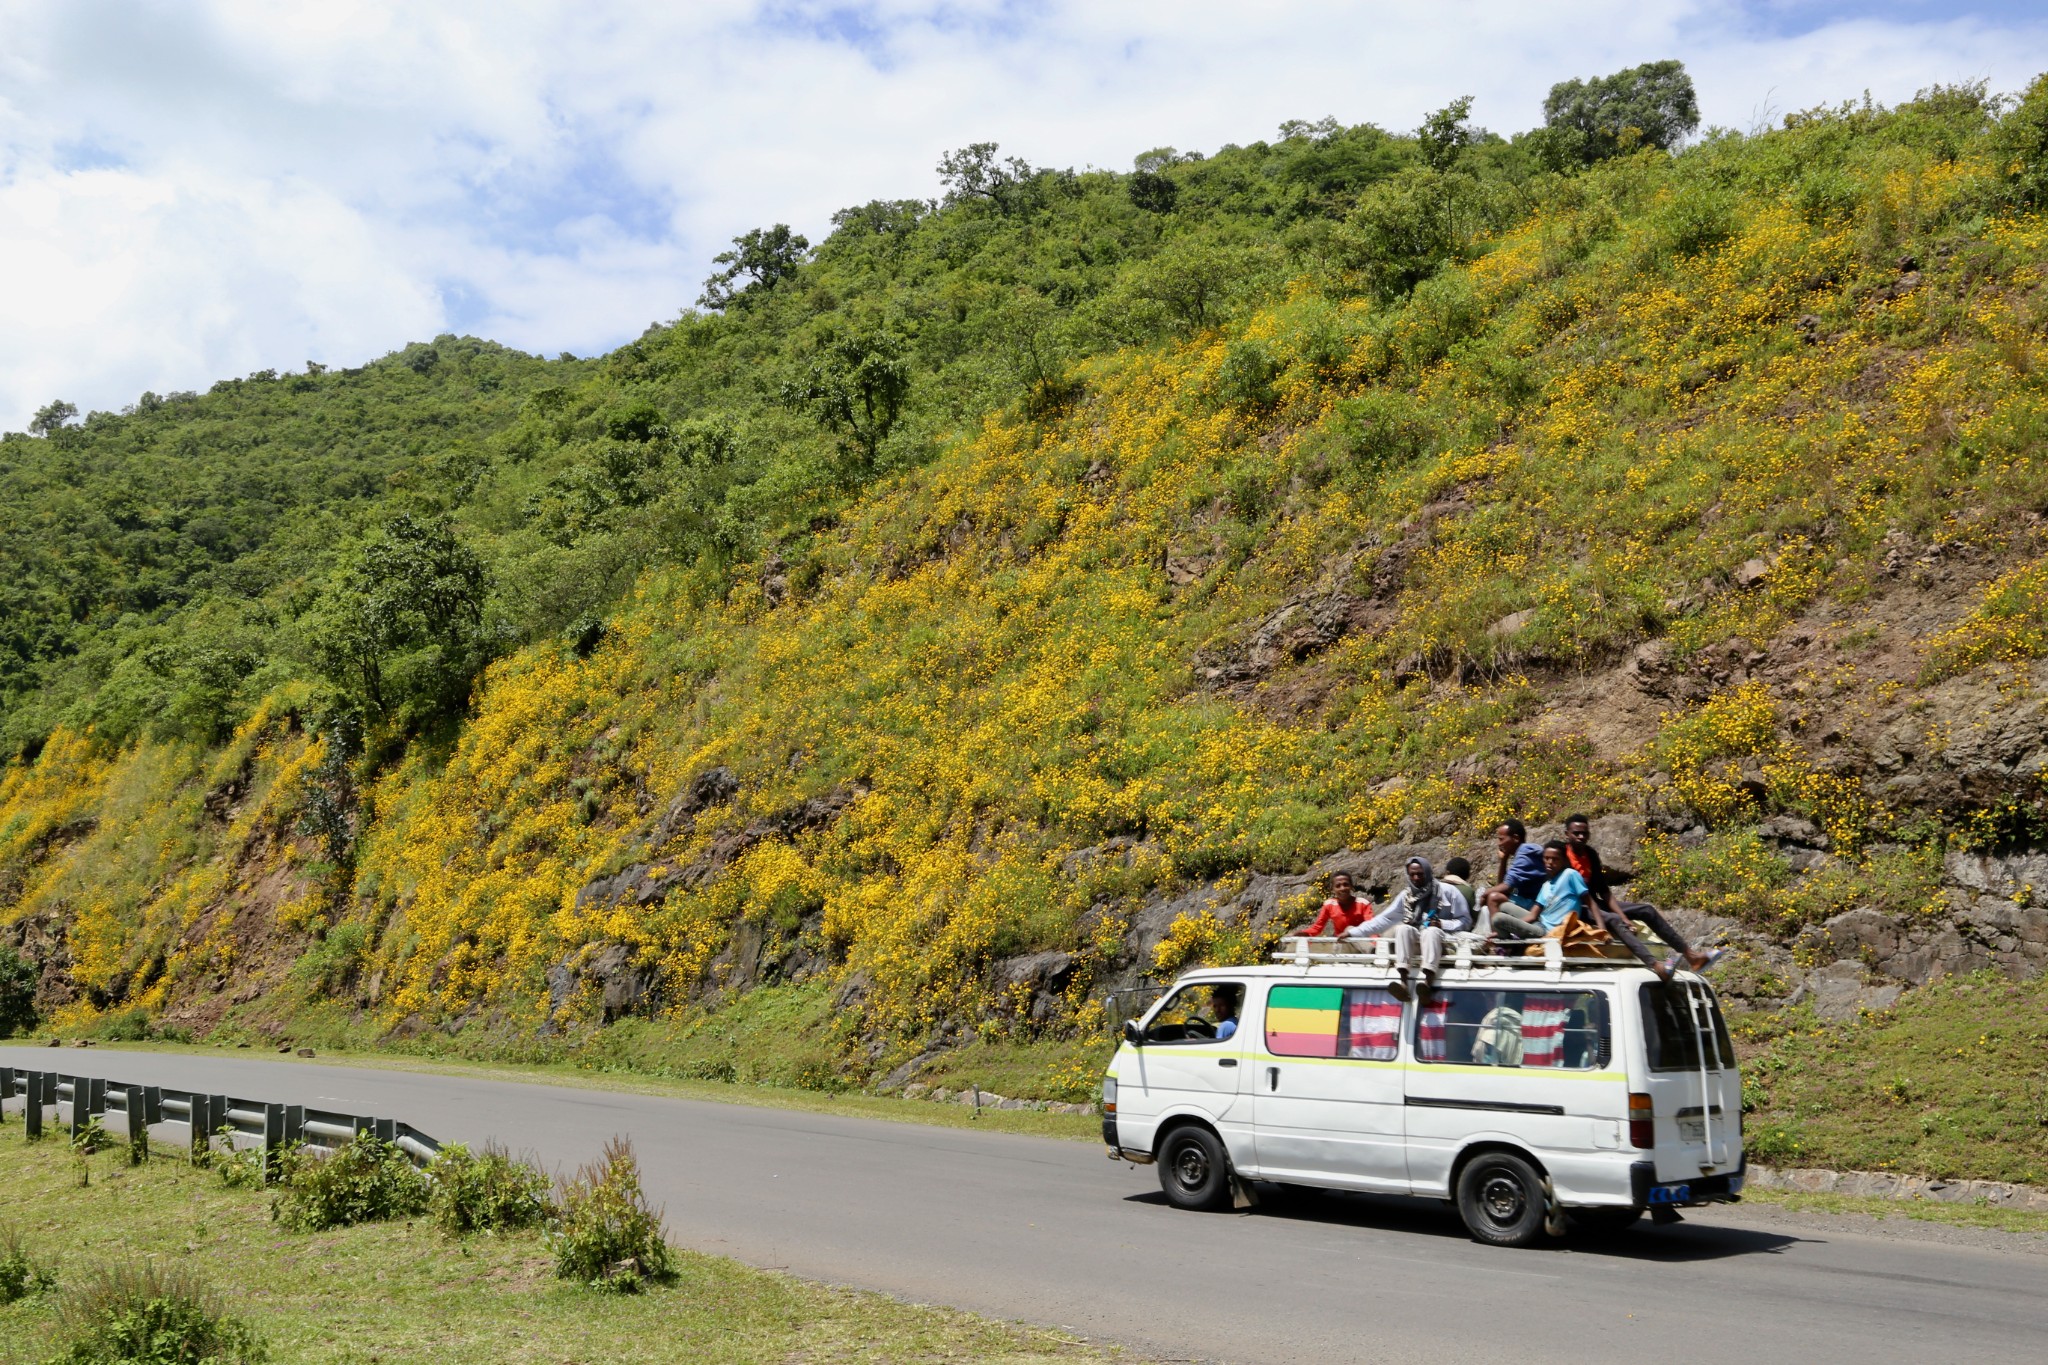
(294, 1124)
(386, 1130)
(273, 1138)
(32, 1112)
(88, 1102)
(152, 1103)
(6, 1090)
(216, 1108)
(136, 1111)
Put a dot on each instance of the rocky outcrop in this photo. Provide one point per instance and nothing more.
(712, 787)
(646, 883)
(612, 971)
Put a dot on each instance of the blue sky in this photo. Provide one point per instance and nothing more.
(195, 189)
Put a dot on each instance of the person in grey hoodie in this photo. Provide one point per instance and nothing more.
(1417, 921)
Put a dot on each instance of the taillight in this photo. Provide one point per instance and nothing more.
(1642, 1122)
(1109, 1094)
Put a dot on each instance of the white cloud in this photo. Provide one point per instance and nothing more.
(195, 190)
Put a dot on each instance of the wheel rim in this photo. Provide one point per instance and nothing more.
(1191, 1166)
(1502, 1197)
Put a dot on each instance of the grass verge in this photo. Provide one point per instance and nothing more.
(400, 1291)
(1948, 1083)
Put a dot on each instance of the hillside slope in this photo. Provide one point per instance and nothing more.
(1342, 504)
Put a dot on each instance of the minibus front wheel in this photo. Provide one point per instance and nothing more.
(1194, 1169)
(1500, 1197)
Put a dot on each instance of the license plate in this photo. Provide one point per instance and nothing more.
(1670, 1194)
(1692, 1130)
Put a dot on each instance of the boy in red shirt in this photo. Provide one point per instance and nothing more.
(1343, 910)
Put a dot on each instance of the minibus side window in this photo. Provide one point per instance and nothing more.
(1190, 1015)
(1668, 1032)
(1333, 1021)
(1552, 1030)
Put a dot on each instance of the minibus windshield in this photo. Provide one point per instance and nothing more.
(1668, 1031)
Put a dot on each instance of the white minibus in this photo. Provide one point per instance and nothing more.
(1533, 1092)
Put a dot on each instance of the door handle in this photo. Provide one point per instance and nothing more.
(1226, 1061)
(1272, 1078)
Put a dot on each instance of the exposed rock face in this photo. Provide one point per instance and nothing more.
(712, 787)
(1990, 925)
(1969, 743)
(41, 940)
(646, 883)
(755, 955)
(622, 984)
(1040, 978)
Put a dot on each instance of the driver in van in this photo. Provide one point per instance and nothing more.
(1223, 1000)
(1417, 920)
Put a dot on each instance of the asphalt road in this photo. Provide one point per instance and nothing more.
(1053, 1232)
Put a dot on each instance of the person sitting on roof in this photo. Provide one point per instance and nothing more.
(1614, 917)
(1522, 874)
(1564, 892)
(1521, 868)
(1417, 920)
(1458, 876)
(1342, 912)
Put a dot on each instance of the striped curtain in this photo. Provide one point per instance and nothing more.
(1430, 1042)
(1372, 1024)
(1543, 1021)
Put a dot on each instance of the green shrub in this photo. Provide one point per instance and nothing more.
(486, 1193)
(128, 1026)
(143, 1313)
(605, 1236)
(238, 1169)
(17, 993)
(364, 1182)
(20, 1274)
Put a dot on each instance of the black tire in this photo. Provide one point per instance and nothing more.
(1194, 1170)
(1608, 1222)
(1500, 1197)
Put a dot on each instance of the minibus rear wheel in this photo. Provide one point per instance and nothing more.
(1500, 1197)
(1194, 1170)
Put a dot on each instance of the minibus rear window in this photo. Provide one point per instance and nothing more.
(1555, 1030)
(1668, 1031)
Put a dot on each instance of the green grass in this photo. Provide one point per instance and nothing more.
(1921, 1210)
(1949, 1083)
(402, 1292)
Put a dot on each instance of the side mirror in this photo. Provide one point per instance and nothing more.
(1133, 1034)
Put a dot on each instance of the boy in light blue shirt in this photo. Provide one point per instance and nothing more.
(1564, 891)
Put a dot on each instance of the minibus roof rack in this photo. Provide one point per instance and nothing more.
(1464, 951)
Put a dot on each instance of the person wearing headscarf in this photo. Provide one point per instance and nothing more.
(1418, 920)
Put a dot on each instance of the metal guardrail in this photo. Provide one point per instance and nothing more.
(129, 1111)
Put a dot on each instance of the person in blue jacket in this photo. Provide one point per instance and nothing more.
(1522, 874)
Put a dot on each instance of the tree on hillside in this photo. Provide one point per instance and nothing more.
(400, 627)
(2019, 147)
(1445, 134)
(52, 417)
(760, 260)
(974, 174)
(1652, 105)
(855, 385)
